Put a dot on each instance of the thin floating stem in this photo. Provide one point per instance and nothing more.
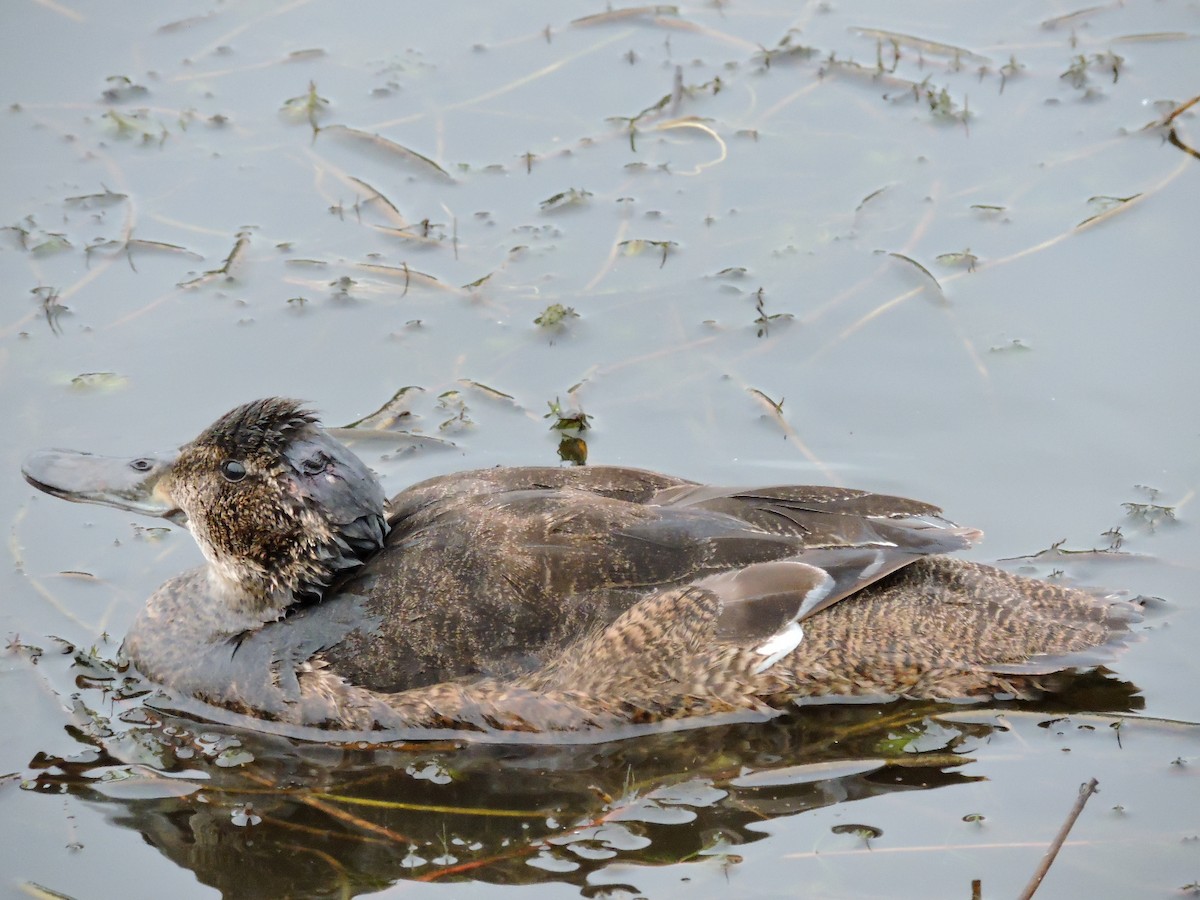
(389, 145)
(1085, 791)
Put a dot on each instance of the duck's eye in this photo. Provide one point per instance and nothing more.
(233, 470)
(141, 465)
(314, 465)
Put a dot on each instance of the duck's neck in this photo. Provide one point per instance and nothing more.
(262, 586)
(251, 594)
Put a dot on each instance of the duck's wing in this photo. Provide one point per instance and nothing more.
(772, 556)
(827, 516)
(492, 571)
(844, 540)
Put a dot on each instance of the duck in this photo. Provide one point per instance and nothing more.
(547, 600)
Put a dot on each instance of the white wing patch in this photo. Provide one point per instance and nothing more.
(788, 638)
(779, 645)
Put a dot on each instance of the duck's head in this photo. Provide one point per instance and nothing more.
(278, 507)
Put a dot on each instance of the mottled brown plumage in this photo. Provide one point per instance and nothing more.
(544, 599)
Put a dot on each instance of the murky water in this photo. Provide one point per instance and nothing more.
(940, 251)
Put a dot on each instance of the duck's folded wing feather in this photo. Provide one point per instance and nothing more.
(494, 578)
(827, 515)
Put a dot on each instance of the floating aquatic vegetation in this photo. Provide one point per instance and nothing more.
(1059, 549)
(1151, 514)
(786, 50)
(964, 258)
(764, 319)
(122, 89)
(1072, 17)
(866, 833)
(565, 199)
(343, 286)
(1166, 124)
(100, 200)
(50, 242)
(1010, 69)
(1115, 537)
(567, 419)
(392, 413)
(940, 101)
(912, 262)
(407, 274)
(35, 240)
(1107, 205)
(1077, 75)
(923, 45)
(52, 307)
(776, 407)
(555, 316)
(672, 102)
(452, 401)
(227, 267)
(570, 424)
(639, 245)
(624, 15)
(487, 390)
(137, 122)
(1016, 345)
(310, 105)
(942, 105)
(387, 144)
(99, 381)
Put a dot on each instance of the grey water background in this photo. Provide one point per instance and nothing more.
(940, 250)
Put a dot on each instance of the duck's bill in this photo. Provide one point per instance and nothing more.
(134, 484)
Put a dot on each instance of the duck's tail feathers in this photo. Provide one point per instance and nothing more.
(1111, 611)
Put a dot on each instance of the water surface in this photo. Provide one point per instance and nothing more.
(941, 251)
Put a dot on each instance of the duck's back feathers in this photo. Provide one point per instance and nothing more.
(493, 572)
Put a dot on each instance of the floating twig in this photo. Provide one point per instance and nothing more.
(389, 414)
(921, 44)
(389, 145)
(1085, 791)
(227, 267)
(1072, 17)
(621, 15)
(925, 271)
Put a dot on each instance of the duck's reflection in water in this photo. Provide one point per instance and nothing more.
(255, 815)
